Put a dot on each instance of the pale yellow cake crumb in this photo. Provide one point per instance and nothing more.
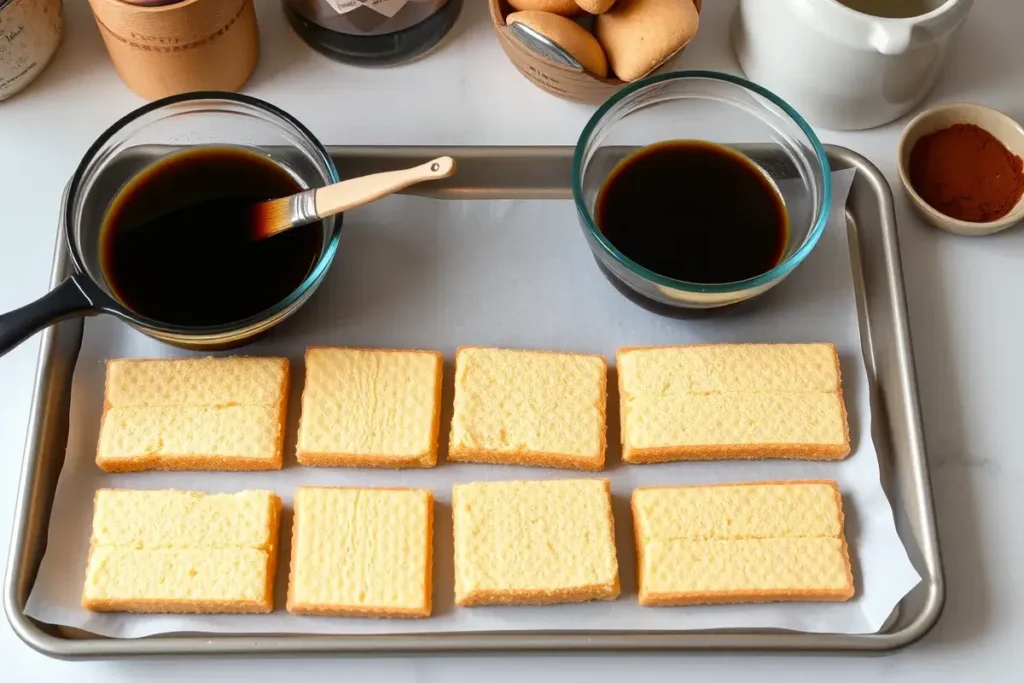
(729, 401)
(534, 542)
(756, 542)
(182, 551)
(362, 552)
(193, 414)
(370, 408)
(534, 408)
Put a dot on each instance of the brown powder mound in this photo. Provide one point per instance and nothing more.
(965, 173)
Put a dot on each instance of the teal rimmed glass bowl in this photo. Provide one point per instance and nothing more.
(712, 107)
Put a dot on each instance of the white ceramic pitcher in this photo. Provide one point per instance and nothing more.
(841, 68)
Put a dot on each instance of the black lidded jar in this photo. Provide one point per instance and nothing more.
(373, 32)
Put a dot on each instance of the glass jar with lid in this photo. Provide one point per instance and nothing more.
(373, 32)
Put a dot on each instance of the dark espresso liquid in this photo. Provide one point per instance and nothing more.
(694, 211)
(209, 272)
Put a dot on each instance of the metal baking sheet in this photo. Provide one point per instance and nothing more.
(539, 173)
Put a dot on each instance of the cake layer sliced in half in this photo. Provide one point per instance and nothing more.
(756, 542)
(732, 401)
(193, 414)
(182, 551)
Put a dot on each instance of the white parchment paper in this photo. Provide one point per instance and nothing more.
(420, 273)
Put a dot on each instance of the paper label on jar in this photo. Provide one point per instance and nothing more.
(388, 8)
(29, 34)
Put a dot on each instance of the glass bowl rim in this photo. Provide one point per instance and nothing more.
(780, 270)
(318, 270)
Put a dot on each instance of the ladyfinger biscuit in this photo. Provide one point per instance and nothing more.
(639, 35)
(595, 6)
(564, 7)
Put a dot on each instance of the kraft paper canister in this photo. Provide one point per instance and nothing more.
(30, 32)
(180, 47)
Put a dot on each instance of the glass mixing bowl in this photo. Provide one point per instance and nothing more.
(712, 107)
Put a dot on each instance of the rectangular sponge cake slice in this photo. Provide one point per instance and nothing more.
(533, 408)
(534, 542)
(362, 552)
(193, 414)
(182, 551)
(756, 542)
(370, 408)
(732, 401)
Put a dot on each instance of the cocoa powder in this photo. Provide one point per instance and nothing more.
(965, 173)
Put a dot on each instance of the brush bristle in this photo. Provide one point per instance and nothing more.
(270, 218)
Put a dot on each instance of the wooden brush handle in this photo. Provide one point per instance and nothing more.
(349, 194)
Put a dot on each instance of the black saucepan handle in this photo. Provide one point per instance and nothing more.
(74, 297)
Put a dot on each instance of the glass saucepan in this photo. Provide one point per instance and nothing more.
(139, 139)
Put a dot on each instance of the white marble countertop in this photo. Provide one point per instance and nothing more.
(964, 297)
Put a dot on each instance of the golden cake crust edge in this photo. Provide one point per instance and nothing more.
(195, 462)
(520, 458)
(189, 463)
(645, 599)
(372, 612)
(590, 593)
(424, 460)
(175, 607)
(526, 459)
(768, 451)
(599, 591)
